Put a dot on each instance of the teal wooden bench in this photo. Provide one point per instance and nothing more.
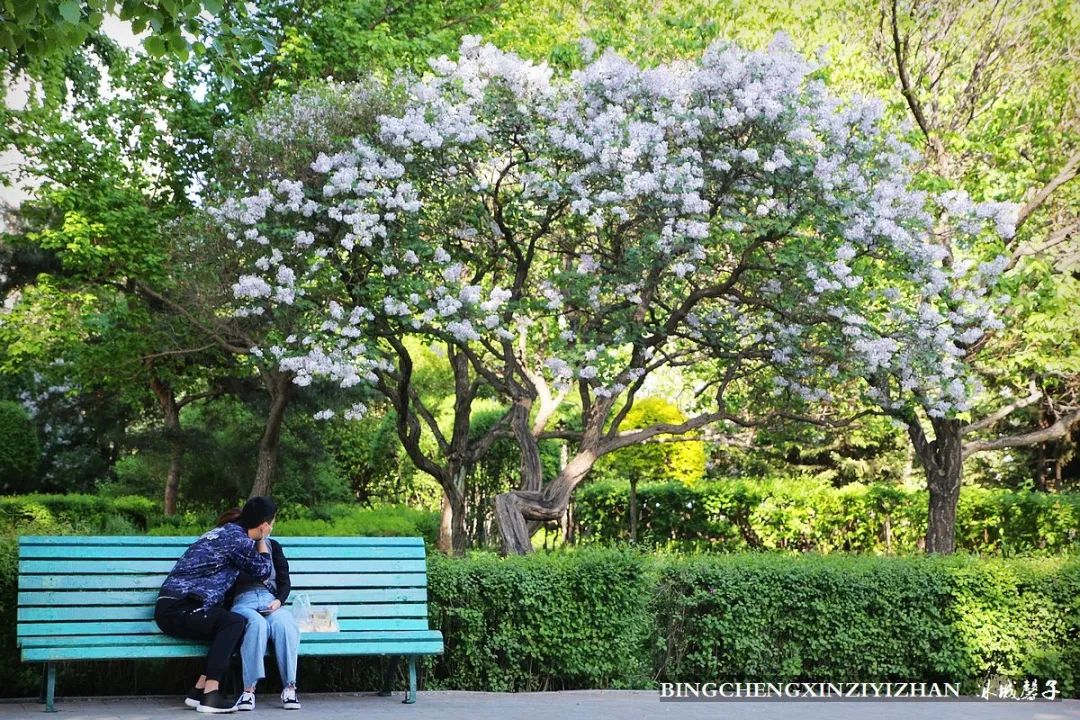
(92, 598)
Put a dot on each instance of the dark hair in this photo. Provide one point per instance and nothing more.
(229, 516)
(256, 511)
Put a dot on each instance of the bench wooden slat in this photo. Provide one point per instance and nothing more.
(184, 541)
(172, 552)
(157, 638)
(162, 567)
(114, 628)
(347, 647)
(133, 650)
(307, 648)
(146, 582)
(148, 597)
(146, 612)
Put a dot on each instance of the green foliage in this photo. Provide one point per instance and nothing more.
(371, 461)
(348, 41)
(956, 619)
(32, 31)
(602, 618)
(811, 515)
(136, 474)
(20, 451)
(75, 514)
(545, 622)
(222, 439)
(389, 521)
(329, 520)
(682, 461)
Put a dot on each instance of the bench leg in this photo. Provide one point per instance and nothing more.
(410, 698)
(48, 686)
(389, 670)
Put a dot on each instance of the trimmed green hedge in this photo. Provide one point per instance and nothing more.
(608, 618)
(807, 515)
(541, 622)
(751, 617)
(599, 617)
(332, 520)
(76, 514)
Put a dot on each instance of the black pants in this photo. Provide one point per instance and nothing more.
(186, 619)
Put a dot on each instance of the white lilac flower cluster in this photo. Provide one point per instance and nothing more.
(647, 185)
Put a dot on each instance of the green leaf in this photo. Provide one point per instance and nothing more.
(213, 6)
(71, 11)
(155, 45)
(25, 13)
(176, 42)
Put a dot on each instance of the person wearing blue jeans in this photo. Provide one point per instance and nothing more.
(260, 602)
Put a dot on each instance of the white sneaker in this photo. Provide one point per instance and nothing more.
(246, 701)
(289, 701)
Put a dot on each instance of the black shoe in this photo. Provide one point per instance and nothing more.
(215, 702)
(194, 698)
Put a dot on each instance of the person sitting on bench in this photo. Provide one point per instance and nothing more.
(190, 603)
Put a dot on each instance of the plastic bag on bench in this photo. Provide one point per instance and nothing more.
(314, 619)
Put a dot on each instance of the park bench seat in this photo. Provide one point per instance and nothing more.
(92, 598)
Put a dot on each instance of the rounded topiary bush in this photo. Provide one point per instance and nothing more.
(20, 451)
(683, 462)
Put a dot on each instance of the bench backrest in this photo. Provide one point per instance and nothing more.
(107, 586)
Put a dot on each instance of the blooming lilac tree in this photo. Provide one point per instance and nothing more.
(576, 234)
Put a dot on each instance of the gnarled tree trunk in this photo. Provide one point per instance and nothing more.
(517, 509)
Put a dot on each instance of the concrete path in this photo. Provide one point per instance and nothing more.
(570, 705)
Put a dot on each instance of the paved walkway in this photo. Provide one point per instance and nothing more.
(571, 705)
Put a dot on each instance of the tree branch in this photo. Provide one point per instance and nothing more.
(183, 351)
(1058, 430)
(215, 335)
(1067, 173)
(1057, 238)
(907, 90)
(199, 396)
(1001, 413)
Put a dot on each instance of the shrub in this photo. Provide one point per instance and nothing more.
(333, 520)
(75, 514)
(947, 619)
(812, 515)
(682, 461)
(20, 451)
(543, 622)
(608, 618)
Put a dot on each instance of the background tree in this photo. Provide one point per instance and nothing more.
(653, 461)
(965, 71)
(20, 452)
(591, 231)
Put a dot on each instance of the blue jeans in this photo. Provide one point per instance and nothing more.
(279, 626)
